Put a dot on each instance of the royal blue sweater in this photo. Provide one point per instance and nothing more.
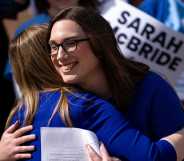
(155, 111)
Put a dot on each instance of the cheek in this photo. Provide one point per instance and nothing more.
(90, 57)
(86, 56)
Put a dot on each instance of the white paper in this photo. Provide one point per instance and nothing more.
(66, 144)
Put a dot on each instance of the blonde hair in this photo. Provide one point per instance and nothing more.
(34, 72)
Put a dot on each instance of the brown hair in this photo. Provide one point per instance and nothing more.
(34, 72)
(122, 74)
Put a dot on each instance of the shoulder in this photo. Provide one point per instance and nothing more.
(84, 97)
(165, 110)
(36, 20)
(154, 77)
(155, 89)
(153, 80)
(92, 112)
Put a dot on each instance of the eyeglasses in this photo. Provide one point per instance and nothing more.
(68, 46)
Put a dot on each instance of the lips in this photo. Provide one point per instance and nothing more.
(68, 67)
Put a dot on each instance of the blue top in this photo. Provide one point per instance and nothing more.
(155, 110)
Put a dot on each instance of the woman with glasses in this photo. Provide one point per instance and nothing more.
(98, 66)
(48, 101)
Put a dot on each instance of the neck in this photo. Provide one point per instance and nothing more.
(97, 83)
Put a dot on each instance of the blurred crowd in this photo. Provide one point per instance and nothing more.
(9, 9)
(169, 12)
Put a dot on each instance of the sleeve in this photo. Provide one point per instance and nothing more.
(120, 138)
(167, 113)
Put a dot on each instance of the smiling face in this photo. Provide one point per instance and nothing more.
(77, 66)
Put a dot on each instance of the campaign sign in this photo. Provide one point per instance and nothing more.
(145, 39)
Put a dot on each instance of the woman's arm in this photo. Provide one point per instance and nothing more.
(104, 155)
(11, 147)
(123, 140)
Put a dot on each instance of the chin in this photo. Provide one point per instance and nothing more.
(70, 80)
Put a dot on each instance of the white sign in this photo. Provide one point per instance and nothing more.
(145, 39)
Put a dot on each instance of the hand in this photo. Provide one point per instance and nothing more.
(11, 140)
(104, 156)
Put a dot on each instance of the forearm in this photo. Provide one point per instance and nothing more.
(134, 146)
(124, 140)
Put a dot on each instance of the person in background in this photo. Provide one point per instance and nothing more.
(8, 10)
(48, 8)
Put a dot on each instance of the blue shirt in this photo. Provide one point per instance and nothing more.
(155, 110)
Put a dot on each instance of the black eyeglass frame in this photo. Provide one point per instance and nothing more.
(74, 40)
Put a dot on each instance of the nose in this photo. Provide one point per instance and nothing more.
(61, 55)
